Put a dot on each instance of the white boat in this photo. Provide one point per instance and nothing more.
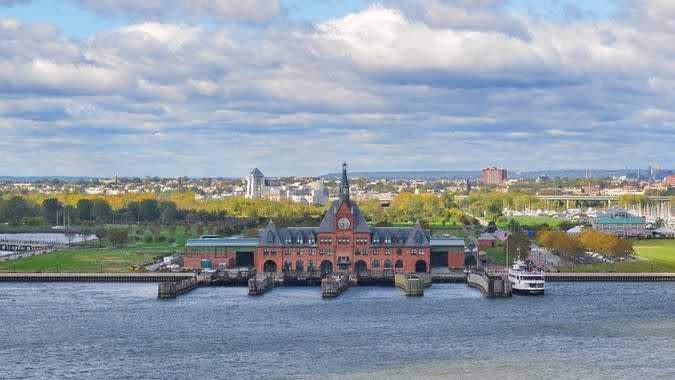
(525, 280)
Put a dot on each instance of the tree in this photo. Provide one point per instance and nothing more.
(84, 209)
(519, 243)
(118, 236)
(168, 211)
(100, 210)
(15, 209)
(100, 233)
(491, 227)
(51, 206)
(149, 210)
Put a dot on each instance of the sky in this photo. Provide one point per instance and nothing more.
(296, 87)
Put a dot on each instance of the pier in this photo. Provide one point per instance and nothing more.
(260, 283)
(492, 285)
(334, 284)
(413, 284)
(174, 289)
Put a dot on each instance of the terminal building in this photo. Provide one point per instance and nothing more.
(343, 241)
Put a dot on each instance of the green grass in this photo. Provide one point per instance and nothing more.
(658, 255)
(533, 220)
(497, 254)
(104, 259)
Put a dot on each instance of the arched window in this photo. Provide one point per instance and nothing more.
(299, 266)
(311, 266)
(399, 251)
(387, 264)
(289, 238)
(399, 264)
(376, 264)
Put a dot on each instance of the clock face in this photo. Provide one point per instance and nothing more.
(343, 223)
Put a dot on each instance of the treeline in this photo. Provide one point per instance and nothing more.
(490, 205)
(569, 246)
(179, 207)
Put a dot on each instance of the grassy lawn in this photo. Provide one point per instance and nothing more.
(104, 259)
(658, 255)
(497, 254)
(532, 220)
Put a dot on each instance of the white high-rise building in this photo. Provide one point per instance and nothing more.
(255, 184)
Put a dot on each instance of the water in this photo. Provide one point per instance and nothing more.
(577, 330)
(52, 237)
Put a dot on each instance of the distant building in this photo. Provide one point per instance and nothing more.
(494, 176)
(342, 241)
(487, 240)
(257, 186)
(616, 221)
(669, 181)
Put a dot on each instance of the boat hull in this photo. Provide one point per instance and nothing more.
(528, 292)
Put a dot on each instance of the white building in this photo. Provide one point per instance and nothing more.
(257, 186)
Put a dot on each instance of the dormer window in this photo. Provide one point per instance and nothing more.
(376, 239)
(311, 240)
(300, 239)
(418, 238)
(289, 239)
(270, 237)
(387, 239)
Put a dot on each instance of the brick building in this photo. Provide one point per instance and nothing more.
(494, 176)
(343, 241)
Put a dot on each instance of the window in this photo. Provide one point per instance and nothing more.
(399, 264)
(413, 252)
(387, 251)
(287, 251)
(357, 252)
(365, 252)
(274, 252)
(376, 239)
(418, 238)
(376, 252)
(376, 264)
(420, 252)
(300, 240)
(322, 252)
(289, 239)
(270, 237)
(329, 252)
(399, 251)
(299, 252)
(387, 264)
(387, 239)
(310, 252)
(266, 252)
(311, 239)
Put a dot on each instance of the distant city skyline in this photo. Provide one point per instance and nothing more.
(296, 87)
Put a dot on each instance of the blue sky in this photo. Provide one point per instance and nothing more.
(213, 88)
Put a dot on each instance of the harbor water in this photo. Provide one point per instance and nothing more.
(577, 330)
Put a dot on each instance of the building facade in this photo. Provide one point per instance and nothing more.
(258, 186)
(494, 176)
(343, 241)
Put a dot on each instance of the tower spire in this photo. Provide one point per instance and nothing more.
(344, 184)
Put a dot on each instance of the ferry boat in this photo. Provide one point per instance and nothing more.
(525, 280)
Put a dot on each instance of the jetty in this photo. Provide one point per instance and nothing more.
(334, 284)
(174, 289)
(413, 284)
(491, 284)
(260, 284)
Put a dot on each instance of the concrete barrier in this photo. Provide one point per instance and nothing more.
(334, 284)
(412, 284)
(174, 289)
(260, 283)
(490, 285)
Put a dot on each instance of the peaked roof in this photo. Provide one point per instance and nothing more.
(328, 222)
(256, 172)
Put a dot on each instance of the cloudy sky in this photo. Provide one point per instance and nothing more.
(217, 87)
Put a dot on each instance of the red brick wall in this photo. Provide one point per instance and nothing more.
(455, 259)
(486, 243)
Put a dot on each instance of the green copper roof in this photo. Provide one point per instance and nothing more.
(619, 221)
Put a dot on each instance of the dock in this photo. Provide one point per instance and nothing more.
(334, 284)
(174, 289)
(260, 284)
(413, 284)
(492, 285)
